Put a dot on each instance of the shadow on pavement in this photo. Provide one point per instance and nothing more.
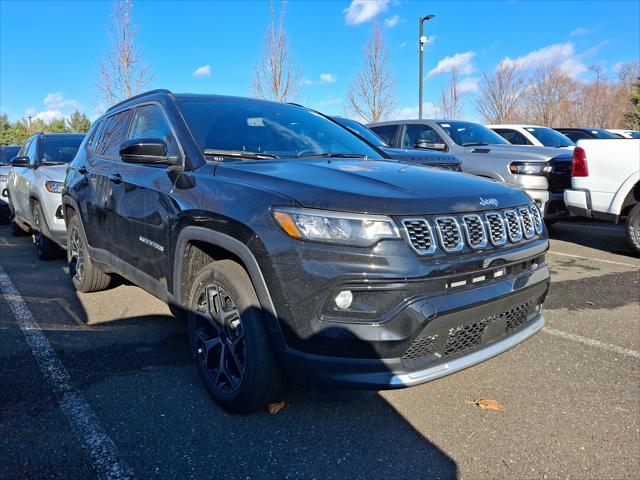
(607, 237)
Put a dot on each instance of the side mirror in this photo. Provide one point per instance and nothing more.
(145, 150)
(19, 162)
(425, 145)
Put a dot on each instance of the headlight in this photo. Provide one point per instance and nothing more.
(334, 227)
(529, 168)
(54, 187)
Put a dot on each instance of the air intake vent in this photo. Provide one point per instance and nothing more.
(537, 218)
(474, 229)
(528, 228)
(497, 231)
(513, 225)
(420, 235)
(449, 233)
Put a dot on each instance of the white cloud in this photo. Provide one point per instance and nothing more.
(55, 107)
(203, 71)
(56, 101)
(429, 110)
(327, 78)
(578, 32)
(392, 21)
(469, 84)
(463, 62)
(403, 44)
(361, 11)
(562, 54)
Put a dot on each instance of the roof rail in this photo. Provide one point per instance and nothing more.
(143, 94)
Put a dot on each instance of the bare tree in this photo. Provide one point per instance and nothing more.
(499, 94)
(277, 76)
(372, 93)
(450, 105)
(123, 72)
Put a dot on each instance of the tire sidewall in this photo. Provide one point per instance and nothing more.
(633, 228)
(75, 224)
(251, 319)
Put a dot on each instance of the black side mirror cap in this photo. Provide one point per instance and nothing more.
(19, 161)
(146, 151)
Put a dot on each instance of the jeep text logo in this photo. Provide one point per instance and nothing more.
(488, 202)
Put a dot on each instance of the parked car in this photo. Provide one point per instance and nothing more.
(7, 152)
(622, 133)
(542, 172)
(576, 134)
(606, 183)
(34, 186)
(533, 135)
(291, 251)
(407, 155)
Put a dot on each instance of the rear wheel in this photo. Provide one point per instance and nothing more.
(633, 228)
(85, 276)
(229, 340)
(45, 248)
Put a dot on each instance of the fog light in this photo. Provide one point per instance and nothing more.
(344, 299)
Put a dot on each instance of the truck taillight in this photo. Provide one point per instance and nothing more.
(579, 166)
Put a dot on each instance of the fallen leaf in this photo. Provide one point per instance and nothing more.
(275, 407)
(486, 404)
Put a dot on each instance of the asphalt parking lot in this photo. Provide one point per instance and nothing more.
(117, 388)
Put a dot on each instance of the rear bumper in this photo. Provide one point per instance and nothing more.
(577, 202)
(551, 204)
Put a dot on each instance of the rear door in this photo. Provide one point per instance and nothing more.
(145, 208)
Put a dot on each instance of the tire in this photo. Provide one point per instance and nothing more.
(231, 321)
(45, 248)
(85, 276)
(633, 228)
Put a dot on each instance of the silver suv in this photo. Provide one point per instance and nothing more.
(544, 173)
(34, 187)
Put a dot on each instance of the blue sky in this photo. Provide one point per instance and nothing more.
(49, 50)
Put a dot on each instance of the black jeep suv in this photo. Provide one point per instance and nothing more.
(295, 252)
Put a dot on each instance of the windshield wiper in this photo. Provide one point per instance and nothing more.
(238, 154)
(332, 155)
(53, 163)
(477, 144)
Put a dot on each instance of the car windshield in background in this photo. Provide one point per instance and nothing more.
(549, 137)
(599, 133)
(634, 134)
(60, 149)
(470, 134)
(7, 153)
(264, 130)
(361, 130)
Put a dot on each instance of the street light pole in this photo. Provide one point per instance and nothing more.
(422, 41)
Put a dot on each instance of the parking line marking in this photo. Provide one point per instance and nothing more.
(594, 259)
(79, 414)
(592, 343)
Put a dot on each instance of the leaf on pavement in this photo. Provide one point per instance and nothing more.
(275, 407)
(486, 404)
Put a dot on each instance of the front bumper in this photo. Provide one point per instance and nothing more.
(551, 204)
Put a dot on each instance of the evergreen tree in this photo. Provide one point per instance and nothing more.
(5, 130)
(632, 117)
(57, 125)
(79, 122)
(19, 132)
(37, 125)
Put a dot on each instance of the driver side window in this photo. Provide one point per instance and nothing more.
(149, 122)
(414, 132)
(31, 152)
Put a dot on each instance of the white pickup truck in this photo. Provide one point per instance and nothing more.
(606, 183)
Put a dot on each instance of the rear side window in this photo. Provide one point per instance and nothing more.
(575, 135)
(150, 122)
(60, 149)
(513, 136)
(387, 133)
(108, 138)
(414, 132)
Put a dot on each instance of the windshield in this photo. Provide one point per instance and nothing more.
(267, 129)
(470, 134)
(361, 130)
(7, 153)
(634, 134)
(60, 149)
(549, 137)
(600, 133)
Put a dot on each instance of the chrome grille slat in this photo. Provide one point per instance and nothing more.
(514, 229)
(476, 231)
(449, 233)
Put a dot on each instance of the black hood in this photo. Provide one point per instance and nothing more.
(371, 186)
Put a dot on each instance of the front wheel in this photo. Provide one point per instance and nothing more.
(85, 276)
(45, 248)
(229, 339)
(633, 228)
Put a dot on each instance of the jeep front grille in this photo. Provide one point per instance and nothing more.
(452, 233)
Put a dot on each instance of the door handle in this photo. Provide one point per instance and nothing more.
(82, 170)
(116, 178)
